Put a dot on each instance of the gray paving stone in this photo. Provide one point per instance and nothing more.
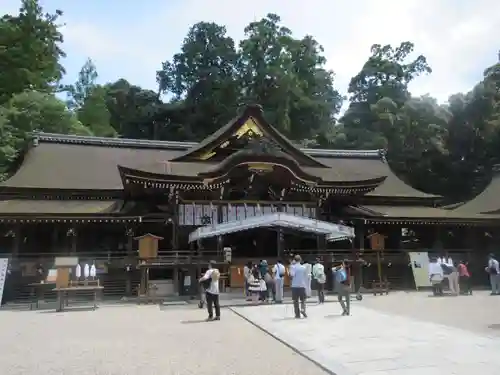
(376, 343)
(141, 340)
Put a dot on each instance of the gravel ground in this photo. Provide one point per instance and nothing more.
(132, 340)
(477, 313)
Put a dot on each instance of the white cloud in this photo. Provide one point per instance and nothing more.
(457, 37)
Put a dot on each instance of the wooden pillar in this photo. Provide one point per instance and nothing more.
(360, 236)
(16, 234)
(279, 237)
(437, 246)
(73, 240)
(54, 242)
(130, 260)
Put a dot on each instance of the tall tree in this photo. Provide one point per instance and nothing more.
(88, 100)
(83, 87)
(386, 74)
(28, 112)
(31, 52)
(203, 76)
(287, 76)
(135, 112)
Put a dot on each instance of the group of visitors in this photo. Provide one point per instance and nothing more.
(265, 284)
(457, 275)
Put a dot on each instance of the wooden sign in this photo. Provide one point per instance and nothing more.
(148, 246)
(377, 241)
(62, 278)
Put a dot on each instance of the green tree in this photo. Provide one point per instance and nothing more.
(88, 100)
(30, 51)
(203, 79)
(83, 87)
(386, 74)
(33, 111)
(287, 77)
(94, 113)
(135, 112)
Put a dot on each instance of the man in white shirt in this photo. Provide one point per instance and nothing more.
(211, 281)
(436, 277)
(298, 273)
(318, 273)
(494, 271)
(278, 273)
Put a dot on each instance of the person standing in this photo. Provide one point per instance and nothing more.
(452, 272)
(343, 288)
(246, 275)
(319, 276)
(211, 283)
(493, 270)
(279, 274)
(464, 278)
(308, 268)
(298, 274)
(436, 277)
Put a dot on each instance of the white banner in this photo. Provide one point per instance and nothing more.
(420, 267)
(4, 264)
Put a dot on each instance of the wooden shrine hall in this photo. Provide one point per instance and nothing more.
(92, 197)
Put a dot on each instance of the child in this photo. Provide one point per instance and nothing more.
(254, 285)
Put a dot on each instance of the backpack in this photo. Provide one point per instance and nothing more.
(342, 275)
(493, 269)
(281, 270)
(447, 270)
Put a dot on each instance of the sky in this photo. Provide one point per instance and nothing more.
(130, 39)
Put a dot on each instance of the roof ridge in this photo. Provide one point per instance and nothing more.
(180, 145)
(108, 141)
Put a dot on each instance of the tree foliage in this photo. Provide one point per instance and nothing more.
(30, 51)
(446, 149)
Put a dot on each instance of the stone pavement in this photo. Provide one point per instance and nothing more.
(371, 342)
(140, 340)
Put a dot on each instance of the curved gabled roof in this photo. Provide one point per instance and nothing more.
(486, 202)
(72, 162)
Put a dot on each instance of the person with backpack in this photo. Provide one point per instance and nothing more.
(343, 288)
(210, 282)
(493, 270)
(278, 274)
(318, 273)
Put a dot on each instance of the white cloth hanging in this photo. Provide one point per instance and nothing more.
(78, 271)
(93, 271)
(440, 260)
(86, 271)
(450, 261)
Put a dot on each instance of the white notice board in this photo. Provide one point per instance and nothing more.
(4, 264)
(420, 267)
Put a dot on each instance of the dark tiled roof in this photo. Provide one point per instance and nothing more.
(373, 165)
(486, 202)
(58, 207)
(80, 162)
(418, 214)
